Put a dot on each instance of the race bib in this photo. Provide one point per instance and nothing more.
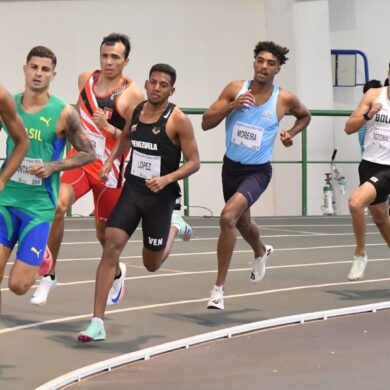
(383, 137)
(99, 144)
(247, 136)
(22, 175)
(145, 166)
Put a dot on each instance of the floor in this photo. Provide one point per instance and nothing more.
(306, 273)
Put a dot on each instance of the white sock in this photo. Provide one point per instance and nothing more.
(97, 320)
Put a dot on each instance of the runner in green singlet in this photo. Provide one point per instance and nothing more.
(28, 200)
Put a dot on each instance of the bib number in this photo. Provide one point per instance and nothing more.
(247, 136)
(383, 137)
(23, 176)
(145, 166)
(99, 144)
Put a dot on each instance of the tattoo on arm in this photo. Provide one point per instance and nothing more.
(79, 140)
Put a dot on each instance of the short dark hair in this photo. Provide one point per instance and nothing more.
(43, 52)
(278, 51)
(113, 38)
(371, 84)
(165, 68)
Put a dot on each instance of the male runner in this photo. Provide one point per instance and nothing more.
(253, 110)
(374, 172)
(28, 200)
(158, 133)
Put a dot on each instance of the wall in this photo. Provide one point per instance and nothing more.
(208, 42)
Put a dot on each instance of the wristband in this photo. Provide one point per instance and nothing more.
(366, 117)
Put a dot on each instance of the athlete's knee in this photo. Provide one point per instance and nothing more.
(151, 267)
(152, 260)
(111, 251)
(66, 198)
(62, 207)
(355, 205)
(18, 287)
(227, 219)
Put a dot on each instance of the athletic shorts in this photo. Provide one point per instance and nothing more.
(249, 180)
(379, 176)
(29, 231)
(104, 198)
(154, 210)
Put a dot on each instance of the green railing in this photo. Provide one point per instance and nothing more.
(304, 161)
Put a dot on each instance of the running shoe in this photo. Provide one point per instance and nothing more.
(94, 332)
(358, 266)
(117, 290)
(46, 264)
(46, 285)
(258, 265)
(185, 230)
(216, 298)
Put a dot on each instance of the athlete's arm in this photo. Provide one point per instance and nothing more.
(292, 104)
(16, 131)
(225, 104)
(69, 126)
(180, 127)
(122, 145)
(366, 105)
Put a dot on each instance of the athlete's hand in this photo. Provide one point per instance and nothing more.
(100, 119)
(105, 170)
(374, 109)
(286, 138)
(1, 185)
(41, 170)
(157, 183)
(246, 100)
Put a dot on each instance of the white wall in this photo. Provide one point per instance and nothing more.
(210, 42)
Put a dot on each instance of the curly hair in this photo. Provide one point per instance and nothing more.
(278, 51)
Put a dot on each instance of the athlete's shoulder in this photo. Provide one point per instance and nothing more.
(178, 117)
(56, 100)
(286, 96)
(130, 98)
(84, 77)
(232, 89)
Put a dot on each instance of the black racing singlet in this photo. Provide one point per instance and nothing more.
(153, 153)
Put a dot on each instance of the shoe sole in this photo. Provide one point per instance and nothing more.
(38, 303)
(213, 307)
(82, 338)
(356, 279)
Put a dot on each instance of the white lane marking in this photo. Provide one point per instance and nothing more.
(214, 253)
(213, 271)
(186, 302)
(260, 227)
(302, 235)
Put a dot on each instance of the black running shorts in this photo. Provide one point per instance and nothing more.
(154, 210)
